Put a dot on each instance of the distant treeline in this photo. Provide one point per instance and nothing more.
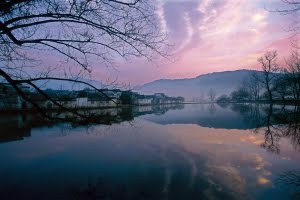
(276, 84)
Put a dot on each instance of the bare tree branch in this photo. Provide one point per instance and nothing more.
(77, 32)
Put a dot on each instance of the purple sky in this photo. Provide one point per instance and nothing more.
(209, 35)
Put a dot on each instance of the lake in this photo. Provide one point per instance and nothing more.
(195, 151)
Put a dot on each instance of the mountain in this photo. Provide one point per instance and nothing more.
(191, 89)
(198, 87)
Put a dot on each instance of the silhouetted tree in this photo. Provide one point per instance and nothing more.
(126, 97)
(293, 74)
(281, 88)
(269, 67)
(223, 99)
(76, 33)
(212, 95)
(240, 95)
(253, 86)
(290, 7)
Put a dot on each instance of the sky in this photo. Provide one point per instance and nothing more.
(209, 36)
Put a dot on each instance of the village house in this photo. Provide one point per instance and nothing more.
(9, 99)
(86, 98)
(96, 99)
(143, 99)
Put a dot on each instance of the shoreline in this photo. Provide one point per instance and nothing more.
(33, 110)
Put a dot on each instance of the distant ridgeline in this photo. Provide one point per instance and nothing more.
(197, 89)
(229, 86)
(84, 98)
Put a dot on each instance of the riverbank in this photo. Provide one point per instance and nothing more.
(70, 109)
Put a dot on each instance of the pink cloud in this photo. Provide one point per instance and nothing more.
(212, 36)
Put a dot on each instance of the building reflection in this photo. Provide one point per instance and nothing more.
(17, 126)
(274, 121)
(14, 127)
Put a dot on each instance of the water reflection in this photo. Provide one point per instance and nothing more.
(290, 181)
(13, 127)
(17, 126)
(275, 121)
(168, 153)
(280, 122)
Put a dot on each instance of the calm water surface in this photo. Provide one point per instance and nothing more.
(186, 152)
